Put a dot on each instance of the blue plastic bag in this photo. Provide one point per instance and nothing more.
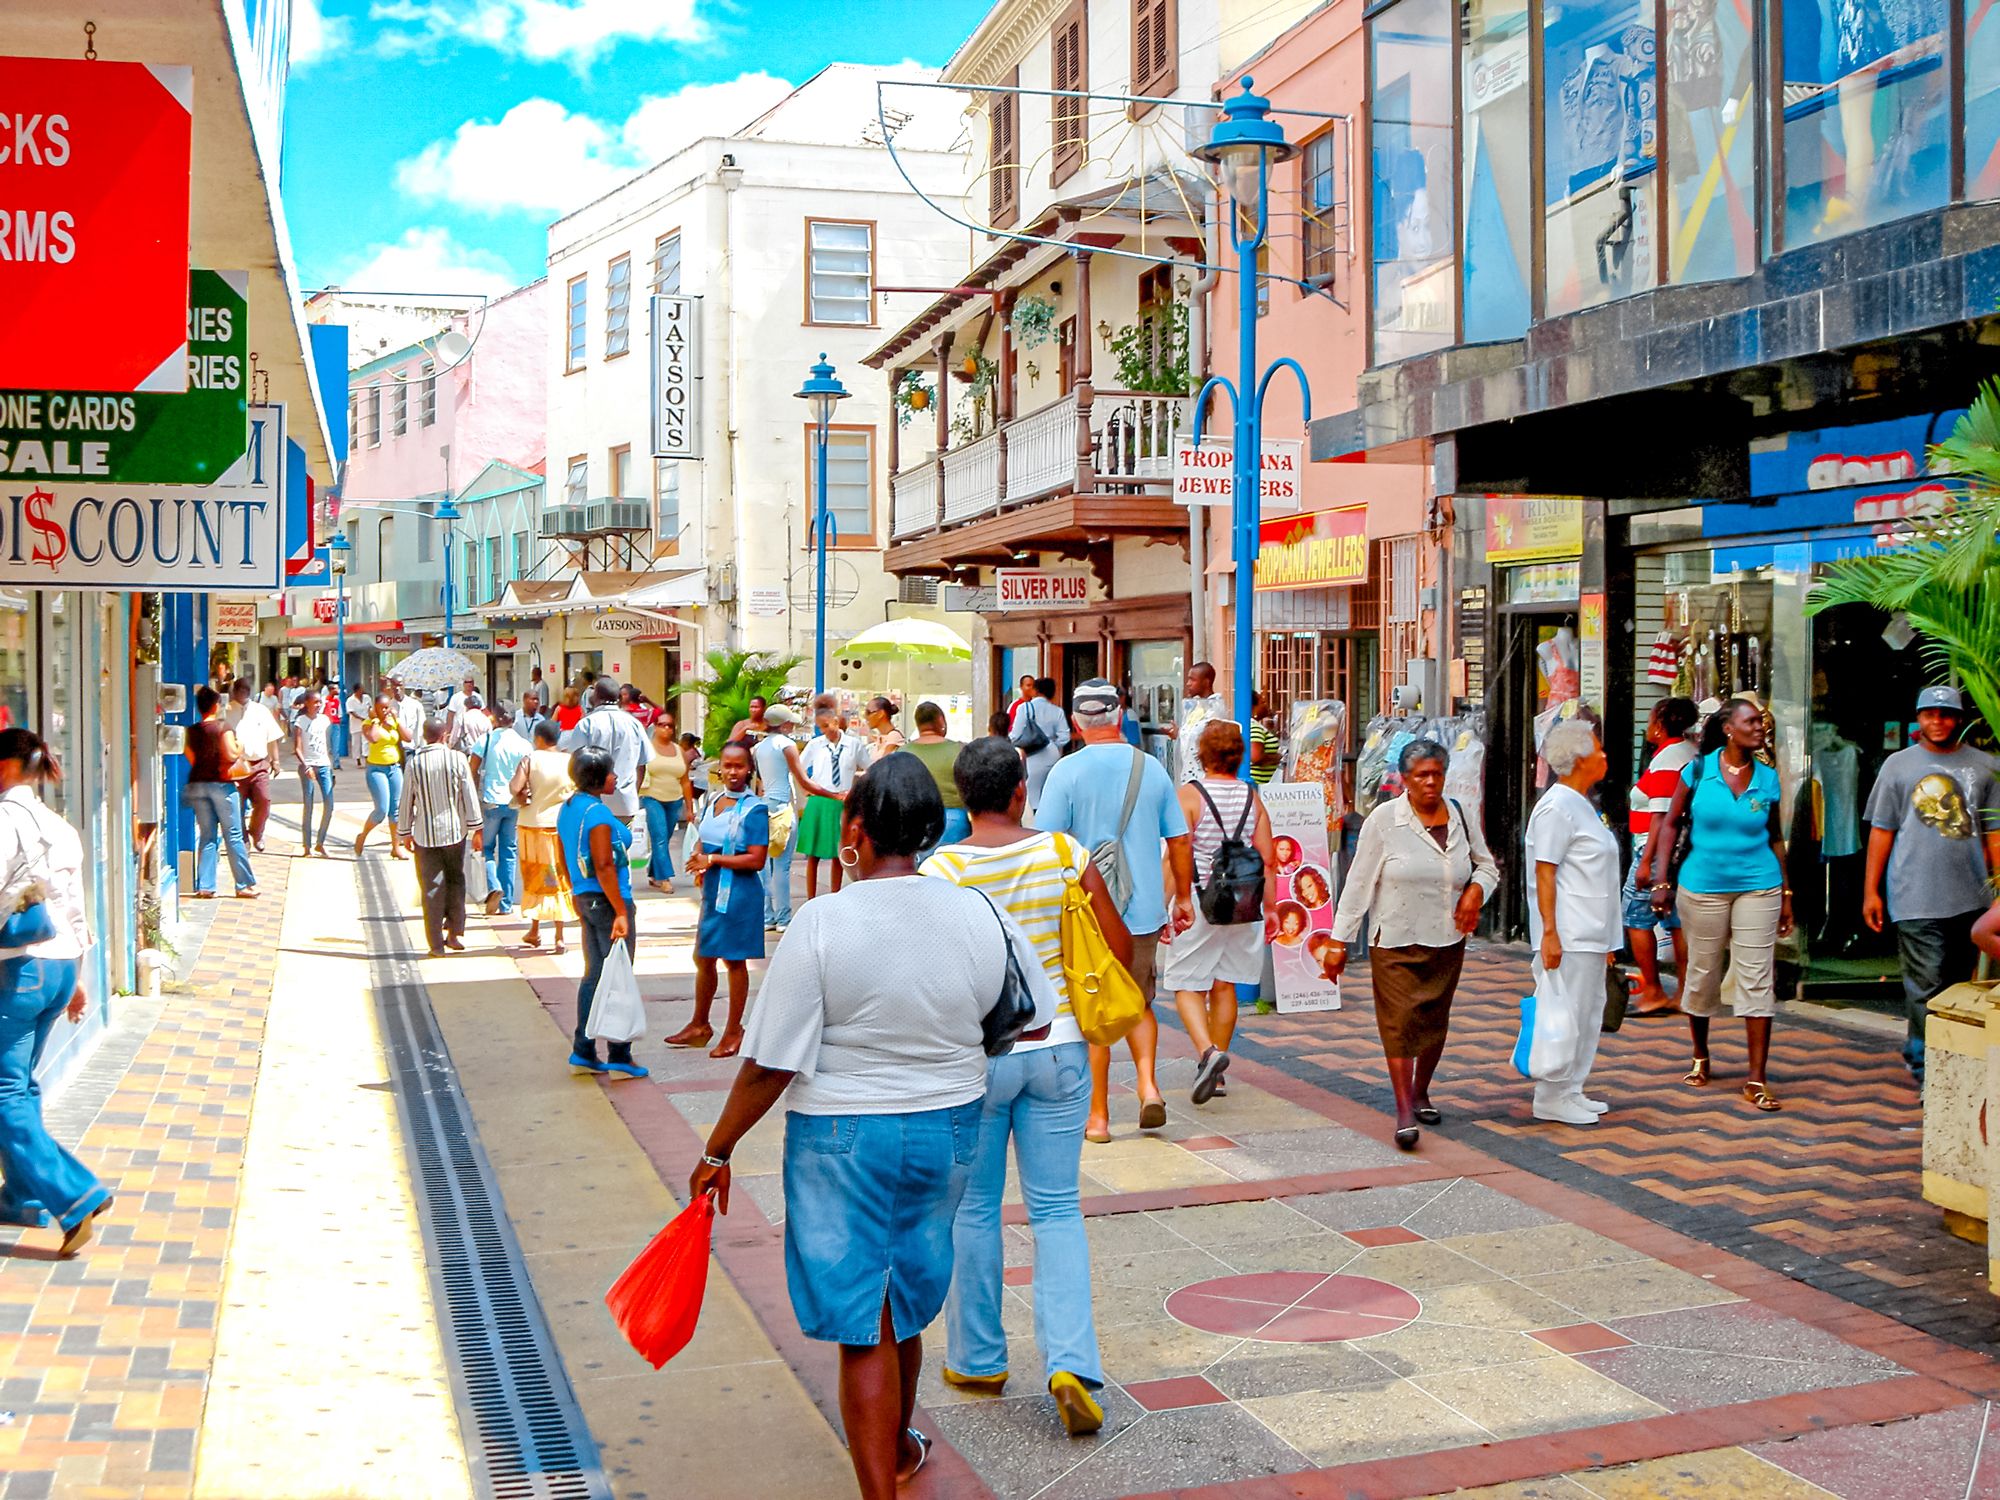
(1526, 1043)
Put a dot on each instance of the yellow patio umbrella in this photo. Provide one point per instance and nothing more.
(907, 641)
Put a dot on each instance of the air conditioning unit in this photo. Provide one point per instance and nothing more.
(627, 515)
(913, 588)
(563, 521)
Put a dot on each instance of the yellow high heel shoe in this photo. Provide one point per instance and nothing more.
(1081, 1414)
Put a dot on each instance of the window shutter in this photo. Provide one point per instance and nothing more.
(1071, 116)
(1155, 47)
(1003, 169)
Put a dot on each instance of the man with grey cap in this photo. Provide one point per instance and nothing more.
(1119, 803)
(1933, 831)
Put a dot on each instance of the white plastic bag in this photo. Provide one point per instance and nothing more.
(617, 1014)
(640, 850)
(475, 875)
(1552, 1041)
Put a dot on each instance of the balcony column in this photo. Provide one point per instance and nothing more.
(895, 431)
(943, 421)
(1085, 332)
(1003, 397)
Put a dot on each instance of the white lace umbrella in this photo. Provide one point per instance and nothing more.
(432, 668)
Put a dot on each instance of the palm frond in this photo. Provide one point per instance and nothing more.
(1973, 448)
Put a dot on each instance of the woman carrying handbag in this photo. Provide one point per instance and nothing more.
(42, 941)
(215, 765)
(1236, 902)
(1037, 1094)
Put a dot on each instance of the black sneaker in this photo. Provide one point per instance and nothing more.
(1214, 1063)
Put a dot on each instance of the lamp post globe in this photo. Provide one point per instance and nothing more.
(1243, 147)
(822, 393)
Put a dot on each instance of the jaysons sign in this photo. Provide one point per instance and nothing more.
(173, 538)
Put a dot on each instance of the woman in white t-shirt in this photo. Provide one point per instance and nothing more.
(875, 1048)
(312, 744)
(1575, 924)
(1039, 1094)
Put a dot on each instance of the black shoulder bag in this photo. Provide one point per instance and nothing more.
(1014, 1011)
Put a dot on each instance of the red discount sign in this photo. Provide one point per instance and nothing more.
(94, 172)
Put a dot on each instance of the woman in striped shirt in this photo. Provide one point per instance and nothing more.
(1039, 1093)
(1264, 745)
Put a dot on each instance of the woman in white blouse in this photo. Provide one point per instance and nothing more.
(1422, 871)
(875, 1048)
(39, 1179)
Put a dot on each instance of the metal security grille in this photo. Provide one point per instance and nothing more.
(525, 1436)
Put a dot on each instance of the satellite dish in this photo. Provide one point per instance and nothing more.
(451, 347)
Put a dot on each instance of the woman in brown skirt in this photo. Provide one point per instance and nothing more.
(540, 788)
(1422, 871)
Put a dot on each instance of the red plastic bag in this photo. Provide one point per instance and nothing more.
(657, 1300)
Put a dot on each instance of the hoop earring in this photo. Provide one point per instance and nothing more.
(849, 856)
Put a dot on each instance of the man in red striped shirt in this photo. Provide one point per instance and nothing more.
(1667, 739)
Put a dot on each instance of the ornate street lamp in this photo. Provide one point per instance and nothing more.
(821, 393)
(1245, 144)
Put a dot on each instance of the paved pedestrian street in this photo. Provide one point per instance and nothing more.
(366, 1217)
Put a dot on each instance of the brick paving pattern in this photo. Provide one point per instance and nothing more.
(1828, 1190)
(104, 1359)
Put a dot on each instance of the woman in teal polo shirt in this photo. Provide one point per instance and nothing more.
(1733, 896)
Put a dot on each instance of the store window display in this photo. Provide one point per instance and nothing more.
(1865, 117)
(1982, 99)
(1600, 151)
(1498, 182)
(1711, 117)
(1410, 124)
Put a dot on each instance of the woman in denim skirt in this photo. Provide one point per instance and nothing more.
(875, 1048)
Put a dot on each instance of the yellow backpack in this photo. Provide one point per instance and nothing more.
(1103, 995)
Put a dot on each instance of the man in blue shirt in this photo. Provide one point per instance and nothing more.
(496, 756)
(1086, 796)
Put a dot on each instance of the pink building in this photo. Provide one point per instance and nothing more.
(1339, 622)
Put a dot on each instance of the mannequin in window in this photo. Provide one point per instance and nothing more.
(1560, 659)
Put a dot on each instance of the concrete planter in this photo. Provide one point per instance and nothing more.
(1961, 1074)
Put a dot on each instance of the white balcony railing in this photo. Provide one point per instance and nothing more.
(972, 480)
(913, 500)
(1132, 449)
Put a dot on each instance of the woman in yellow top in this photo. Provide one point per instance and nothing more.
(382, 738)
(1039, 1093)
(663, 794)
(541, 786)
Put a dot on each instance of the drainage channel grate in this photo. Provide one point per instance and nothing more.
(525, 1435)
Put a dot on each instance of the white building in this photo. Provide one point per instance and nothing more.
(783, 232)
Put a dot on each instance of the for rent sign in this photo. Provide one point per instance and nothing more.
(1042, 588)
(1321, 549)
(94, 224)
(146, 439)
(173, 538)
(1206, 475)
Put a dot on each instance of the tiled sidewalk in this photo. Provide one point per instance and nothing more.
(106, 1363)
(1288, 1306)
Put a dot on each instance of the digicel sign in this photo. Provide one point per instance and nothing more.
(94, 172)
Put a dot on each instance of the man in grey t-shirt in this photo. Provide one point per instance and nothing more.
(1931, 830)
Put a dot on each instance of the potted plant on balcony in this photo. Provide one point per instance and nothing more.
(913, 396)
(1033, 322)
(1153, 352)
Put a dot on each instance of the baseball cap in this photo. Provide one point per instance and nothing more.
(1946, 698)
(1095, 696)
(780, 715)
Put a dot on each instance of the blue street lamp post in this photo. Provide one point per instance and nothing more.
(337, 550)
(1245, 144)
(821, 393)
(447, 513)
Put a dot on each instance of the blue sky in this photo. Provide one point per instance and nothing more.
(430, 142)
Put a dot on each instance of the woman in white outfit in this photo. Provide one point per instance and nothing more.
(1206, 963)
(1575, 924)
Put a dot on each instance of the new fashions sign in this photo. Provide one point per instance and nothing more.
(146, 439)
(94, 175)
(1527, 528)
(170, 538)
(1320, 549)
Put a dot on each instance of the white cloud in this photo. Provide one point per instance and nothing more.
(428, 259)
(572, 31)
(316, 34)
(540, 158)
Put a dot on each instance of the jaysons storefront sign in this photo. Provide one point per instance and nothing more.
(172, 538)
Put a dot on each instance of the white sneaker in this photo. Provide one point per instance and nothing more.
(1565, 1112)
(1595, 1106)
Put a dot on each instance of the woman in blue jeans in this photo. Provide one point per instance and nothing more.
(210, 794)
(875, 1047)
(663, 796)
(1038, 1094)
(38, 1177)
(594, 842)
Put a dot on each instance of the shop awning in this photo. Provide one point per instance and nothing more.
(354, 627)
(677, 591)
(543, 599)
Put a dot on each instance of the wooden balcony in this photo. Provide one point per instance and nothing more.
(1091, 466)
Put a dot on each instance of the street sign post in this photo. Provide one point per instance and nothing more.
(94, 224)
(189, 438)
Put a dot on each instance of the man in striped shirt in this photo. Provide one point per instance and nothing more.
(441, 809)
(1264, 747)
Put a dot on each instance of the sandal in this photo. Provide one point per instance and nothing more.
(1152, 1114)
(1098, 1135)
(729, 1046)
(1762, 1097)
(692, 1036)
(1697, 1074)
(923, 1456)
